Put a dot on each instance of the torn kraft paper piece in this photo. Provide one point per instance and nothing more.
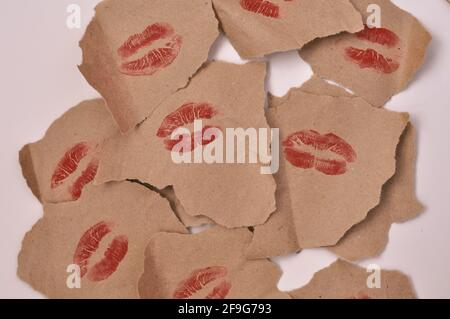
(398, 204)
(223, 96)
(337, 154)
(210, 265)
(260, 27)
(377, 62)
(94, 247)
(136, 53)
(59, 166)
(343, 280)
(277, 236)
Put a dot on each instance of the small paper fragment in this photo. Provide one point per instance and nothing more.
(375, 63)
(343, 280)
(60, 165)
(136, 53)
(94, 247)
(259, 27)
(208, 265)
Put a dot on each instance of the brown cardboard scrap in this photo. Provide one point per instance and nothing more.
(58, 166)
(136, 53)
(343, 280)
(377, 62)
(232, 195)
(398, 204)
(260, 27)
(104, 233)
(337, 154)
(210, 265)
(277, 236)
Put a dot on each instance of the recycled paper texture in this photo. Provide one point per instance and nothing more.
(209, 265)
(375, 63)
(260, 27)
(343, 280)
(94, 247)
(136, 53)
(222, 96)
(59, 166)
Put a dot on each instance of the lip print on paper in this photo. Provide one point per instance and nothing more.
(296, 152)
(371, 58)
(89, 244)
(155, 59)
(68, 165)
(262, 7)
(185, 115)
(200, 278)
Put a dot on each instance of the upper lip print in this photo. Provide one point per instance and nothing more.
(154, 59)
(184, 115)
(370, 58)
(262, 7)
(329, 142)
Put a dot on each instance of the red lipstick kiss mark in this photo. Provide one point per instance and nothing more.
(155, 59)
(184, 115)
(90, 242)
(199, 279)
(328, 142)
(69, 164)
(371, 58)
(262, 7)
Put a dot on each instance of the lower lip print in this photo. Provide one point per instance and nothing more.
(86, 177)
(199, 279)
(196, 139)
(328, 142)
(371, 59)
(90, 242)
(155, 59)
(220, 291)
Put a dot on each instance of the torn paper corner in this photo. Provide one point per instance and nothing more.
(377, 62)
(207, 177)
(65, 160)
(314, 85)
(216, 254)
(94, 247)
(138, 53)
(343, 280)
(333, 188)
(257, 28)
(398, 203)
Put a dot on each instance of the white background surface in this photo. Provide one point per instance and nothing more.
(39, 81)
